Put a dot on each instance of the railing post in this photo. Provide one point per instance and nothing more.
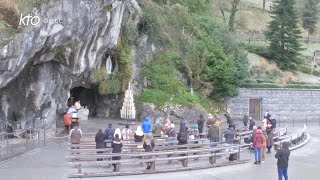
(26, 141)
(7, 143)
(44, 137)
(293, 122)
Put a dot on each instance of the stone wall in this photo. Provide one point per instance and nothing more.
(284, 104)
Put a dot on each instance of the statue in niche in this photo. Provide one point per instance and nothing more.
(109, 66)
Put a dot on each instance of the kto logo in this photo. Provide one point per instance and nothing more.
(29, 20)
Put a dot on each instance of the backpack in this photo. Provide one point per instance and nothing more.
(184, 137)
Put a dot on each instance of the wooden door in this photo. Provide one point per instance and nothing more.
(255, 108)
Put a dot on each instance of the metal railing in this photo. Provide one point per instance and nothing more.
(21, 141)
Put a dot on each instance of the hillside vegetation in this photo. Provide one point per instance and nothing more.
(194, 45)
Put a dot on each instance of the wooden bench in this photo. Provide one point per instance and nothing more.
(80, 161)
(85, 148)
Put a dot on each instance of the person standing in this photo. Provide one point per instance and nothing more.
(257, 144)
(146, 126)
(273, 122)
(270, 140)
(138, 135)
(182, 136)
(157, 129)
(109, 133)
(251, 123)
(171, 133)
(264, 146)
(213, 134)
(116, 147)
(75, 136)
(100, 137)
(283, 160)
(77, 105)
(210, 120)
(200, 125)
(148, 145)
(67, 122)
(230, 121)
(195, 131)
(245, 120)
(126, 133)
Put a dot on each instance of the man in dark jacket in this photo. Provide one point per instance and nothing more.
(109, 133)
(283, 158)
(230, 121)
(100, 137)
(252, 123)
(200, 122)
(213, 134)
(229, 135)
(183, 134)
(245, 120)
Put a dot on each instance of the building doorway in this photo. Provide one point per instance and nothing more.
(255, 108)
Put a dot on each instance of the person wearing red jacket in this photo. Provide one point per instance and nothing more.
(67, 122)
(257, 144)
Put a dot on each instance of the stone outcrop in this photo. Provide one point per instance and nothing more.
(38, 68)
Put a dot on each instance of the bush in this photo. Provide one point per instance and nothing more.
(154, 96)
(162, 75)
(260, 50)
(10, 12)
(110, 86)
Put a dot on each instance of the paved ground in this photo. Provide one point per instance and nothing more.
(49, 164)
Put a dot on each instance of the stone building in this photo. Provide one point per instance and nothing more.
(283, 103)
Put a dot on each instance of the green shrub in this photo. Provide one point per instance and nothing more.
(260, 50)
(154, 96)
(110, 86)
(264, 81)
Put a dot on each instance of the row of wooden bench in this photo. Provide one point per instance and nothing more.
(80, 161)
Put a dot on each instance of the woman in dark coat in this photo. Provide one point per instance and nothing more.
(148, 145)
(270, 141)
(100, 138)
(116, 146)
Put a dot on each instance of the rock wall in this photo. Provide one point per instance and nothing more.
(38, 68)
(284, 104)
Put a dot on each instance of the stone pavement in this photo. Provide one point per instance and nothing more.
(50, 164)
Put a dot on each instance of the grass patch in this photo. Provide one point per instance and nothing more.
(273, 85)
(160, 99)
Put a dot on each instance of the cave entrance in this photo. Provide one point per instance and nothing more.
(87, 98)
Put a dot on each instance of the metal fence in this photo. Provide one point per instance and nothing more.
(290, 120)
(21, 141)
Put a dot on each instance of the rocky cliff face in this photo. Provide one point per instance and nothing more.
(38, 68)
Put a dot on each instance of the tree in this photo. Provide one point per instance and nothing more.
(232, 17)
(310, 16)
(284, 34)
